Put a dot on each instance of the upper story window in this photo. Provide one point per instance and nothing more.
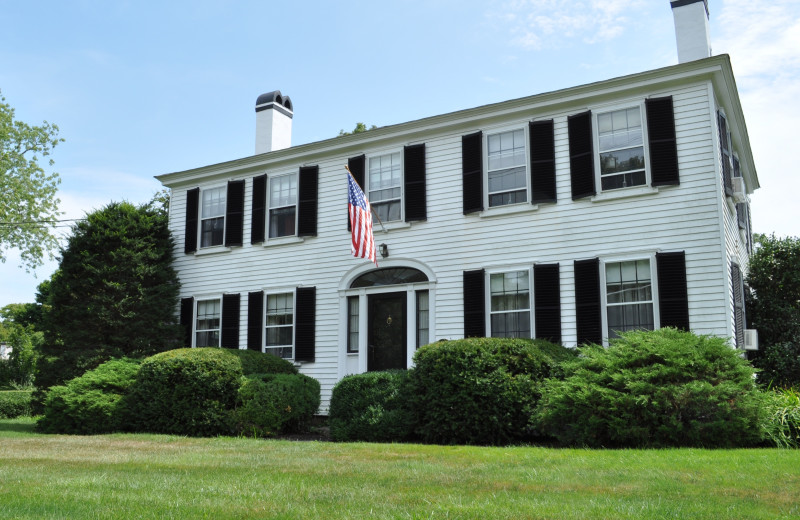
(282, 205)
(510, 304)
(385, 186)
(212, 217)
(207, 324)
(621, 149)
(506, 168)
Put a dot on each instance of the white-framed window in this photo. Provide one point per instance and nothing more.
(510, 304)
(621, 147)
(385, 185)
(282, 215)
(352, 324)
(629, 293)
(208, 315)
(279, 320)
(506, 167)
(423, 318)
(212, 216)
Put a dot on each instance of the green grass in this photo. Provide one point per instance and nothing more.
(159, 476)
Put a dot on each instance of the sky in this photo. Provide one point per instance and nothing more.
(144, 88)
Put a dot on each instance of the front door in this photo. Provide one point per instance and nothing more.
(387, 331)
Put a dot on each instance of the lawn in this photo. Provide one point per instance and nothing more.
(159, 476)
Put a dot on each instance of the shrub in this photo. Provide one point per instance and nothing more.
(652, 389)
(782, 423)
(15, 403)
(270, 404)
(779, 365)
(91, 403)
(255, 362)
(477, 390)
(371, 407)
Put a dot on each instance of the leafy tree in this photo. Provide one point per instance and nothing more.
(28, 206)
(360, 127)
(114, 294)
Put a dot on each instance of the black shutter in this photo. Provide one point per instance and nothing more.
(187, 319)
(307, 196)
(234, 214)
(741, 215)
(543, 161)
(661, 138)
(472, 172)
(258, 217)
(588, 309)
(738, 305)
(255, 320)
(673, 299)
(474, 304)
(230, 321)
(305, 323)
(725, 154)
(192, 207)
(581, 155)
(414, 179)
(547, 301)
(357, 167)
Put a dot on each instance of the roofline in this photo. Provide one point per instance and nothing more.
(716, 68)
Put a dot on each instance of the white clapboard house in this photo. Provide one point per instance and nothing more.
(568, 215)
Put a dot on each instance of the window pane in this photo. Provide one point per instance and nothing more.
(213, 202)
(621, 149)
(282, 191)
(422, 318)
(281, 352)
(207, 323)
(212, 232)
(510, 292)
(622, 160)
(629, 296)
(281, 222)
(352, 324)
(280, 318)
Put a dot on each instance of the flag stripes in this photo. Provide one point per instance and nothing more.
(362, 239)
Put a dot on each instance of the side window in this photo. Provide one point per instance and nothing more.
(510, 304)
(385, 186)
(282, 205)
(212, 217)
(279, 322)
(423, 318)
(506, 168)
(207, 323)
(352, 323)
(620, 145)
(629, 296)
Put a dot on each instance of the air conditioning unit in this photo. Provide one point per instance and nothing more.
(750, 339)
(739, 190)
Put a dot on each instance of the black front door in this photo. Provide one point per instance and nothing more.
(387, 331)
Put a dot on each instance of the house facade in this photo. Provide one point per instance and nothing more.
(568, 215)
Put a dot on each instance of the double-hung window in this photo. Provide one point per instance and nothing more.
(207, 324)
(212, 217)
(629, 296)
(506, 167)
(510, 304)
(282, 205)
(620, 145)
(385, 186)
(280, 325)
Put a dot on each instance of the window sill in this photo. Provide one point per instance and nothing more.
(623, 193)
(282, 241)
(511, 209)
(389, 226)
(352, 354)
(212, 250)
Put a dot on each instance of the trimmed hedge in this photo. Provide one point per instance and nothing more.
(371, 407)
(654, 389)
(15, 403)
(270, 404)
(479, 390)
(91, 403)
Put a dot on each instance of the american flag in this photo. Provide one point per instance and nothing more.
(363, 241)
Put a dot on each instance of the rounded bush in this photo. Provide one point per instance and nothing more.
(371, 407)
(15, 403)
(652, 389)
(271, 404)
(478, 390)
(91, 403)
(255, 362)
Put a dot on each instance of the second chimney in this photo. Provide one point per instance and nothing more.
(691, 29)
(273, 122)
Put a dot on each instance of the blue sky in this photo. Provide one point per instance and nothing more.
(144, 88)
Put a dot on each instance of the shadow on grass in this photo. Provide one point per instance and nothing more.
(18, 425)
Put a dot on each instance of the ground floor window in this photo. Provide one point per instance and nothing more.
(423, 322)
(207, 323)
(629, 296)
(280, 325)
(510, 304)
(352, 324)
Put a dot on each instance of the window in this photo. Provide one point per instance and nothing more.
(386, 186)
(423, 320)
(212, 217)
(506, 168)
(282, 205)
(352, 323)
(280, 325)
(207, 323)
(621, 148)
(510, 304)
(629, 296)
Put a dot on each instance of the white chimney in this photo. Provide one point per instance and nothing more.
(691, 29)
(273, 122)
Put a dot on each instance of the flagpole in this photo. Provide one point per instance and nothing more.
(346, 167)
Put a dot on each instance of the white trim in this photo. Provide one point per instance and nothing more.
(500, 129)
(382, 153)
